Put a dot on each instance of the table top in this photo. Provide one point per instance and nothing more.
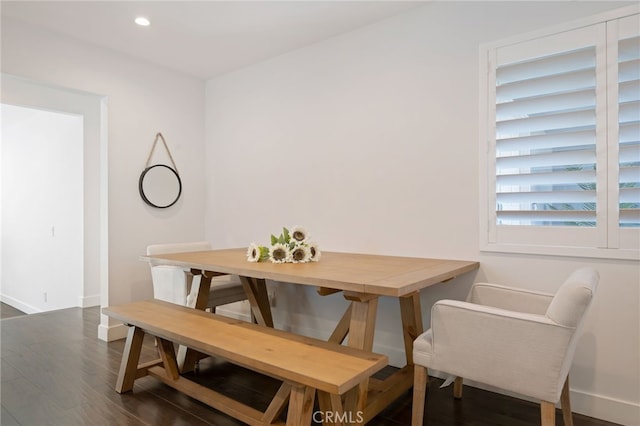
(363, 273)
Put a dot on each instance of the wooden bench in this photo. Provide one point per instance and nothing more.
(302, 363)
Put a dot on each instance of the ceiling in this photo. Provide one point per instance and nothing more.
(203, 38)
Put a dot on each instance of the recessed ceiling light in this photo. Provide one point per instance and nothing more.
(142, 21)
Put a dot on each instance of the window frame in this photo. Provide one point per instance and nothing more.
(599, 242)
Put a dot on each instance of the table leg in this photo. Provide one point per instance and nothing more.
(364, 308)
(342, 328)
(204, 285)
(373, 395)
(412, 327)
(256, 290)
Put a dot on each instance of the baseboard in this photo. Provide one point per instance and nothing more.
(605, 408)
(83, 302)
(89, 301)
(27, 309)
(111, 333)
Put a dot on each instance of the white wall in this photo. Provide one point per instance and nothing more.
(142, 100)
(370, 141)
(42, 209)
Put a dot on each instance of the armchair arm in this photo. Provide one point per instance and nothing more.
(520, 352)
(510, 298)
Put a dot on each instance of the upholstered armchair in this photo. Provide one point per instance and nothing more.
(173, 284)
(513, 339)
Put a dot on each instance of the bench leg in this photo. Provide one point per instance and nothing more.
(355, 404)
(300, 405)
(130, 358)
(168, 356)
(340, 416)
(331, 409)
(336, 412)
(278, 403)
(326, 404)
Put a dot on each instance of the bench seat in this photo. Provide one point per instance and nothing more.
(303, 364)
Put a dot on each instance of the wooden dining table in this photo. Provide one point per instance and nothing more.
(362, 279)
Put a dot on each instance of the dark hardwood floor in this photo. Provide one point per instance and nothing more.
(55, 371)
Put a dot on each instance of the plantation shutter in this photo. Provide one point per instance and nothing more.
(545, 131)
(629, 130)
(562, 140)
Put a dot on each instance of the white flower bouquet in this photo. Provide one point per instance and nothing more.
(290, 247)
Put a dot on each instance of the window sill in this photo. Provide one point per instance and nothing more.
(585, 252)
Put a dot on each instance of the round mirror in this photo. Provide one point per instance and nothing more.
(160, 186)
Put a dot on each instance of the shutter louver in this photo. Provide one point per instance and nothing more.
(546, 140)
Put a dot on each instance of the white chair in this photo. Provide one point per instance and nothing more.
(517, 340)
(173, 284)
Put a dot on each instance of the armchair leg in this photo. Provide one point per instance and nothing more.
(420, 379)
(565, 403)
(547, 413)
(457, 388)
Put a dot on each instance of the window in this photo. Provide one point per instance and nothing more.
(561, 125)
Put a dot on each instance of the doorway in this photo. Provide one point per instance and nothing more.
(84, 281)
(42, 216)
